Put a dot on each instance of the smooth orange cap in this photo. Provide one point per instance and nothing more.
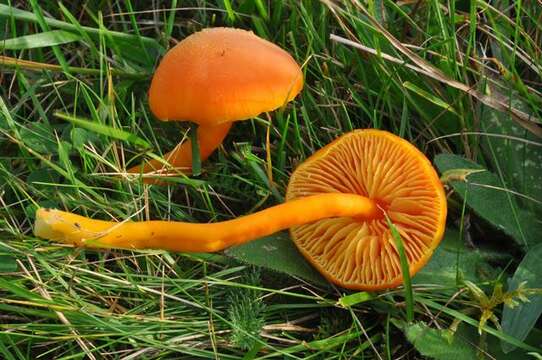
(219, 75)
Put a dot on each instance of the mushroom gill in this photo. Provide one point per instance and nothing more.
(360, 253)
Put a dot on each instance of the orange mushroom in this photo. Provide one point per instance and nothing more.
(336, 202)
(360, 253)
(214, 77)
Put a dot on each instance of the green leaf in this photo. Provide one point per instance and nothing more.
(451, 259)
(491, 200)
(439, 344)
(23, 15)
(354, 299)
(519, 321)
(277, 252)
(517, 152)
(7, 264)
(81, 137)
(475, 323)
(430, 97)
(104, 130)
(488, 345)
(39, 137)
(44, 39)
(405, 269)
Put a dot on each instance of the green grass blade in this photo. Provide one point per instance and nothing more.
(229, 11)
(261, 9)
(45, 27)
(196, 156)
(405, 268)
(430, 97)
(11, 12)
(104, 130)
(170, 21)
(356, 298)
(80, 30)
(44, 39)
(9, 62)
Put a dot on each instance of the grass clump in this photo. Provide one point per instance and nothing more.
(246, 311)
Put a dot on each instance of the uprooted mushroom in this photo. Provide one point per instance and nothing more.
(336, 206)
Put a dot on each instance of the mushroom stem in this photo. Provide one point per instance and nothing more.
(196, 156)
(209, 138)
(70, 228)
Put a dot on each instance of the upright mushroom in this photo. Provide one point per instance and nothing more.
(214, 77)
(336, 205)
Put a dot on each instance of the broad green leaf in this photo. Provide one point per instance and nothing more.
(450, 260)
(488, 345)
(277, 252)
(439, 344)
(517, 152)
(7, 264)
(520, 320)
(39, 137)
(487, 196)
(104, 130)
(474, 323)
(81, 137)
(44, 39)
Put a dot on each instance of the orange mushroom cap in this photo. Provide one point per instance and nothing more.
(220, 75)
(212, 78)
(361, 253)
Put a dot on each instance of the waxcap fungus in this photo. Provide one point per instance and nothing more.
(335, 209)
(361, 254)
(220, 75)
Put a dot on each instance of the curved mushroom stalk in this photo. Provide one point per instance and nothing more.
(70, 228)
(180, 158)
